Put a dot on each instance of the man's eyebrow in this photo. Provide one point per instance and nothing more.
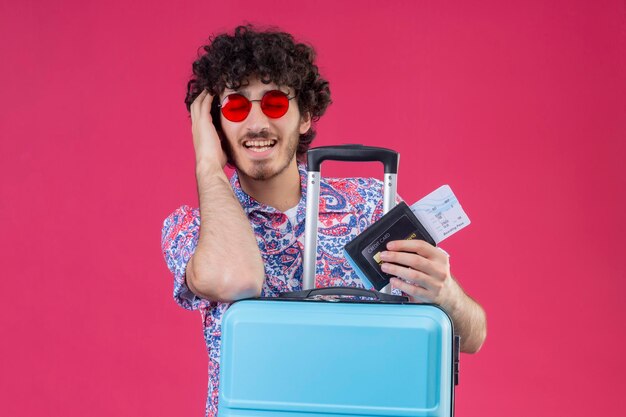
(245, 91)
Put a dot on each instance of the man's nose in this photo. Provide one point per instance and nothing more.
(257, 120)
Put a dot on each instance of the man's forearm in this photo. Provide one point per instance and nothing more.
(227, 264)
(470, 322)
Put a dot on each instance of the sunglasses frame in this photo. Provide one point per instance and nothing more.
(261, 101)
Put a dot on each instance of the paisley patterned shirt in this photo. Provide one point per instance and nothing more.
(347, 207)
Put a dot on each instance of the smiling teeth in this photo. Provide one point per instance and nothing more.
(259, 143)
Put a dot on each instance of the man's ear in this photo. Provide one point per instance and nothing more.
(305, 123)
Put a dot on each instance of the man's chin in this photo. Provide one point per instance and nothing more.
(258, 170)
(261, 170)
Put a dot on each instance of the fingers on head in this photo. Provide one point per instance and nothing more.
(199, 103)
(206, 100)
(199, 98)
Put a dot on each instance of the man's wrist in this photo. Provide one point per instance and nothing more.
(455, 302)
(208, 167)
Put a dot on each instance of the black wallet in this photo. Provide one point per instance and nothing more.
(363, 252)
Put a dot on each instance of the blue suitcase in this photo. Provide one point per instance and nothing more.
(315, 351)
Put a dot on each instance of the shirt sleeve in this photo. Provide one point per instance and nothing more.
(179, 238)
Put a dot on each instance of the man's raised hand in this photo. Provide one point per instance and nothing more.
(206, 141)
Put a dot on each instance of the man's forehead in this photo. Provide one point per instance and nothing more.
(246, 87)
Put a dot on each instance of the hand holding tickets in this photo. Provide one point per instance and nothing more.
(432, 219)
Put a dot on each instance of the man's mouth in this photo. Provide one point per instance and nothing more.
(259, 145)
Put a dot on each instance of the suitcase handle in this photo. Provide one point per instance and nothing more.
(339, 291)
(315, 157)
(389, 158)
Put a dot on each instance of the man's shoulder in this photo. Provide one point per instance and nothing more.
(184, 212)
(181, 218)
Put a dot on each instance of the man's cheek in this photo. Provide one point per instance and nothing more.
(228, 150)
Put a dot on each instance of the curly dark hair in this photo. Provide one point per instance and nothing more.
(271, 55)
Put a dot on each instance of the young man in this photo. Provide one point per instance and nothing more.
(253, 99)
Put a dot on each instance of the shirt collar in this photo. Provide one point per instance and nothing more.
(250, 205)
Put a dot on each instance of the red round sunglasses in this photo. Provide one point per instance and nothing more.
(236, 107)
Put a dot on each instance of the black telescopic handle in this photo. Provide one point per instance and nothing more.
(388, 157)
(343, 291)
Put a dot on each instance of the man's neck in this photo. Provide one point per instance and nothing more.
(281, 192)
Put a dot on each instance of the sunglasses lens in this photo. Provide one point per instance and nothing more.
(236, 107)
(275, 104)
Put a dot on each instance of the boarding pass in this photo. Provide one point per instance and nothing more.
(440, 213)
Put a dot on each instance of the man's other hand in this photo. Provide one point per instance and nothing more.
(206, 141)
(422, 271)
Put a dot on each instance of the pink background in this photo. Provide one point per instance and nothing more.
(520, 107)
